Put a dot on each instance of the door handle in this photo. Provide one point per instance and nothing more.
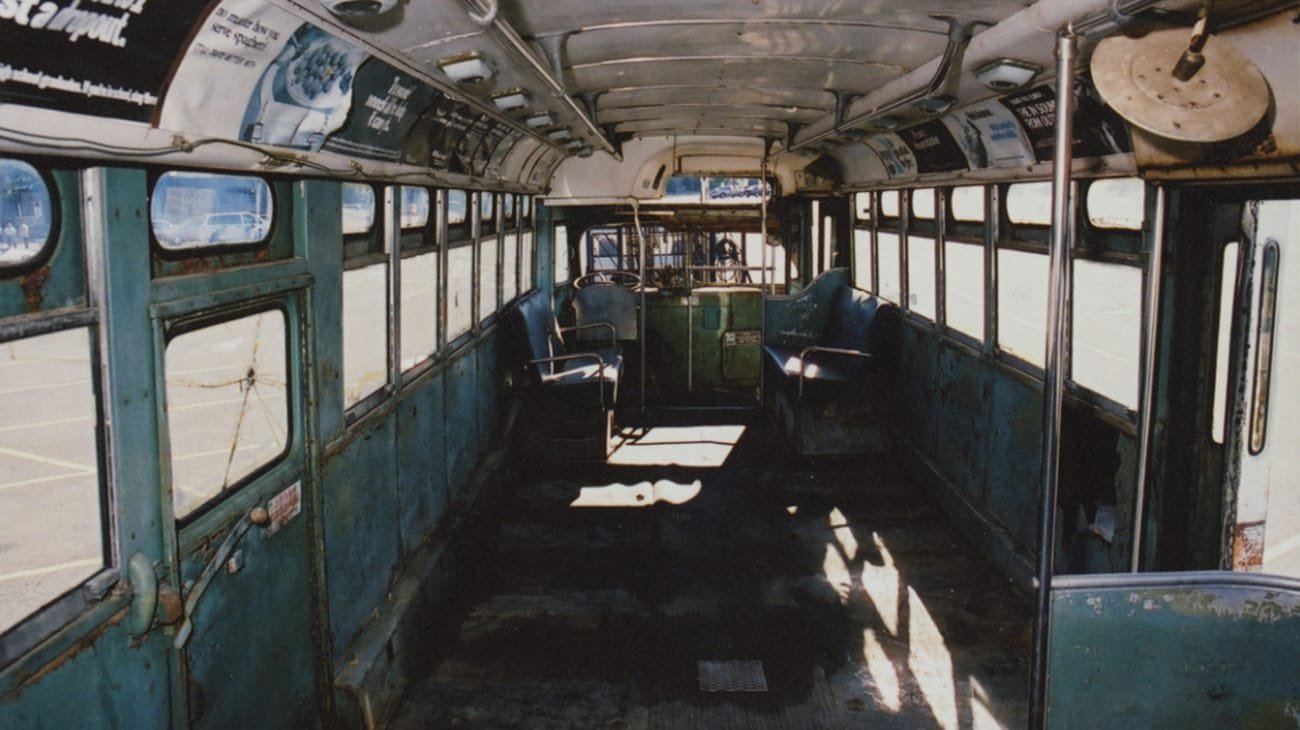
(256, 516)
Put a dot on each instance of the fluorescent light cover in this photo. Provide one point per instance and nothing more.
(466, 69)
(512, 99)
(541, 120)
(559, 134)
(1006, 73)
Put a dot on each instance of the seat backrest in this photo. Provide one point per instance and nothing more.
(850, 321)
(539, 329)
(603, 302)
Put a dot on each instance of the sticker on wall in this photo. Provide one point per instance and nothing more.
(103, 59)
(990, 136)
(895, 155)
(283, 507)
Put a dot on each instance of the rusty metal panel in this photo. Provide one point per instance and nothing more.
(797, 318)
(421, 462)
(361, 528)
(960, 409)
(1014, 428)
(1181, 650)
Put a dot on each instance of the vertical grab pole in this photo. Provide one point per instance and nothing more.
(640, 310)
(1057, 293)
(1146, 416)
(762, 288)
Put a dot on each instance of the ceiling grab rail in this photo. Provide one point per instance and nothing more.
(1058, 294)
(487, 14)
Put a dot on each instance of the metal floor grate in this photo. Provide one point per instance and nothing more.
(745, 675)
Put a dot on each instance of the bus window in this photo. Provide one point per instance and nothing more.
(1030, 203)
(50, 494)
(415, 207)
(527, 254)
(923, 204)
(1106, 329)
(1022, 304)
(964, 288)
(889, 205)
(967, 204)
(862, 207)
(920, 276)
(358, 208)
(227, 405)
(1117, 203)
(457, 215)
(488, 256)
(1227, 292)
(862, 258)
(419, 311)
(891, 284)
(487, 213)
(25, 214)
(1266, 323)
(365, 331)
(190, 210)
(560, 236)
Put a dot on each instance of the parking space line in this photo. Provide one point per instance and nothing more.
(36, 572)
(41, 424)
(47, 460)
(42, 480)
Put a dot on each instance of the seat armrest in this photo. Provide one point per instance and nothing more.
(600, 365)
(613, 333)
(804, 353)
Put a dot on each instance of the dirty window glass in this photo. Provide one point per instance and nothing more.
(561, 247)
(527, 252)
(508, 210)
(1117, 203)
(964, 288)
(487, 213)
(967, 204)
(51, 529)
(419, 307)
(923, 204)
(227, 405)
(365, 332)
(891, 282)
(487, 286)
(862, 206)
(1022, 304)
(862, 258)
(460, 289)
(415, 207)
(920, 276)
(358, 208)
(1030, 203)
(457, 207)
(191, 210)
(1107, 329)
(26, 213)
(509, 266)
(889, 206)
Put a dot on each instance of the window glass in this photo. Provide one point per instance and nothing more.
(828, 243)
(509, 266)
(890, 278)
(733, 190)
(923, 204)
(1265, 334)
(862, 258)
(1022, 304)
(487, 213)
(525, 211)
(457, 207)
(815, 236)
(889, 206)
(460, 289)
(419, 307)
(964, 288)
(1030, 203)
(508, 210)
(862, 206)
(968, 204)
(606, 251)
(1227, 292)
(561, 243)
(415, 207)
(51, 525)
(920, 276)
(487, 277)
(683, 189)
(1117, 203)
(365, 332)
(1107, 329)
(26, 215)
(198, 209)
(358, 208)
(527, 252)
(227, 405)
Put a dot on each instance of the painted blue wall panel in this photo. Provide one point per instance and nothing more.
(421, 462)
(962, 421)
(462, 420)
(489, 389)
(361, 529)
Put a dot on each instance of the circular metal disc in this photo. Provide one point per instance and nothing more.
(1225, 99)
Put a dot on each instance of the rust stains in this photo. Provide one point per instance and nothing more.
(1248, 546)
(80, 645)
(34, 288)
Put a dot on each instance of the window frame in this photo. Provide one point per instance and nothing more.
(47, 250)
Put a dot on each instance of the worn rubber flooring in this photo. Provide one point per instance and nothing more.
(737, 588)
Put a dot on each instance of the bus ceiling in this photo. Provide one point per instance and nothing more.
(595, 101)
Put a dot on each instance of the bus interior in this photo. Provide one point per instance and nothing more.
(493, 364)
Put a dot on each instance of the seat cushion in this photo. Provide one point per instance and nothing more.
(822, 366)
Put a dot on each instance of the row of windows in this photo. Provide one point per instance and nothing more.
(941, 274)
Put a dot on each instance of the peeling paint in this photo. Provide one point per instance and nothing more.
(34, 288)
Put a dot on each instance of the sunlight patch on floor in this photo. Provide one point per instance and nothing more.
(641, 494)
(931, 662)
(884, 676)
(881, 585)
(697, 446)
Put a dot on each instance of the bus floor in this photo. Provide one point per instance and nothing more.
(708, 581)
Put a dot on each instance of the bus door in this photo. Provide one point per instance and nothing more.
(1211, 648)
(232, 375)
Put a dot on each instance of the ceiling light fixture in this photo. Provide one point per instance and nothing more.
(559, 134)
(511, 100)
(467, 68)
(1004, 74)
(543, 119)
(935, 104)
